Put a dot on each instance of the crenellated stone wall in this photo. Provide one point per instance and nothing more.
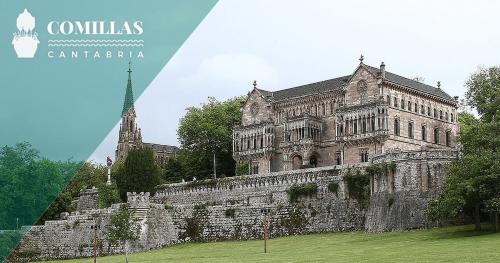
(88, 199)
(233, 208)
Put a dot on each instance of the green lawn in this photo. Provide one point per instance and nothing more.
(453, 244)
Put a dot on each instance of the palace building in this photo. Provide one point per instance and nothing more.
(130, 136)
(343, 121)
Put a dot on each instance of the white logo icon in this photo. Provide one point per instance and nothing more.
(25, 41)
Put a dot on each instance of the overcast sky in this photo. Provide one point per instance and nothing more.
(283, 44)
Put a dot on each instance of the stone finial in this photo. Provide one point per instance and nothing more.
(254, 84)
(361, 58)
(439, 84)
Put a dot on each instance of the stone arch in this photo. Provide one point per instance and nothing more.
(314, 159)
(296, 162)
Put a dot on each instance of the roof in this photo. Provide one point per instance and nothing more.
(313, 88)
(338, 83)
(419, 86)
(128, 102)
(160, 147)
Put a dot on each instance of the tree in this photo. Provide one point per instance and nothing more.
(87, 176)
(473, 181)
(139, 173)
(108, 195)
(242, 168)
(28, 184)
(173, 171)
(122, 229)
(205, 135)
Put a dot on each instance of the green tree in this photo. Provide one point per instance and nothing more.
(139, 173)
(473, 181)
(28, 184)
(122, 229)
(173, 171)
(205, 135)
(242, 168)
(88, 175)
(108, 195)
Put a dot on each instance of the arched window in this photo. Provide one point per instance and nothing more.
(440, 114)
(435, 113)
(389, 100)
(409, 105)
(396, 127)
(422, 109)
(416, 107)
(338, 158)
(410, 130)
(403, 104)
(428, 111)
(363, 125)
(446, 116)
(436, 135)
(424, 133)
(448, 138)
(395, 102)
(364, 155)
(451, 117)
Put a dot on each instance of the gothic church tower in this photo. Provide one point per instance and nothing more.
(129, 136)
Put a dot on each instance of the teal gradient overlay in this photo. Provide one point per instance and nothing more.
(66, 107)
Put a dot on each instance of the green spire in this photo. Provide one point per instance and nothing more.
(129, 95)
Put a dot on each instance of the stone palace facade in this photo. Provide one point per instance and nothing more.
(343, 121)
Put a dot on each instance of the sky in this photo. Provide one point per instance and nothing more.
(284, 43)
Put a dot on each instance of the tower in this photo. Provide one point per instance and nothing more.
(129, 136)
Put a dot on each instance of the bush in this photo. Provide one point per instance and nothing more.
(297, 191)
(333, 187)
(241, 168)
(390, 201)
(108, 195)
(230, 212)
(358, 187)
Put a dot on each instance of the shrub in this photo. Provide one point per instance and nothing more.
(390, 201)
(297, 191)
(333, 187)
(358, 187)
(230, 212)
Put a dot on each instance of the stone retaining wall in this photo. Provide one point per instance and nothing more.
(233, 209)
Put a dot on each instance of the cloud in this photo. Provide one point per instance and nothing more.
(231, 70)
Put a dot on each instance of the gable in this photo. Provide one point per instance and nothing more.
(362, 86)
(256, 109)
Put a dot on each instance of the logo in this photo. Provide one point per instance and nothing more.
(25, 40)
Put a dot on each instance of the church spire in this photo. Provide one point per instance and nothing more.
(129, 95)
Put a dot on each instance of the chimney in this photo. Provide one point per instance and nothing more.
(439, 84)
(382, 70)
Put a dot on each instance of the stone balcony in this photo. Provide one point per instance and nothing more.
(363, 136)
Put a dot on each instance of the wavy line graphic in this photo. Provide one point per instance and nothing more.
(96, 41)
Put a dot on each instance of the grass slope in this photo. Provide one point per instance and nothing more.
(452, 244)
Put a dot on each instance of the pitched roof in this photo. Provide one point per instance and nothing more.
(308, 89)
(419, 86)
(338, 83)
(161, 147)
